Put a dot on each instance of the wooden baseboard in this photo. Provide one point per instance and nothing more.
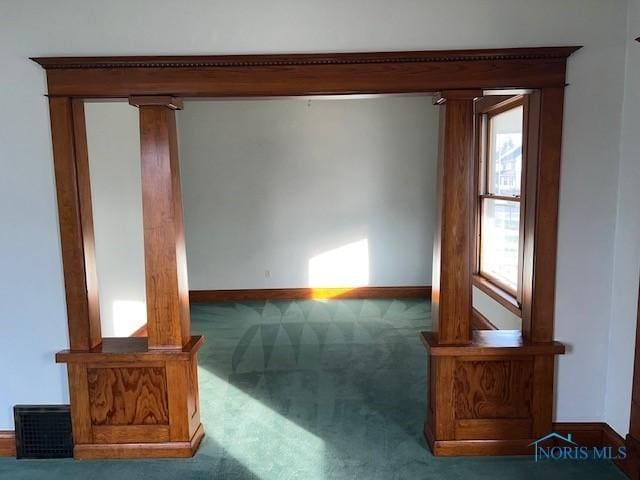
(476, 448)
(480, 322)
(590, 434)
(594, 434)
(203, 296)
(264, 294)
(632, 465)
(481, 448)
(7, 443)
(140, 450)
(597, 434)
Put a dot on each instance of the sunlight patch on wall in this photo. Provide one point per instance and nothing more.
(128, 316)
(290, 448)
(343, 267)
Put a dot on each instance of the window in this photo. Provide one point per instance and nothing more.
(499, 220)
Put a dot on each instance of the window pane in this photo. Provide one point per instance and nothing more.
(505, 155)
(499, 241)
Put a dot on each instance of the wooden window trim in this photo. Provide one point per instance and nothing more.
(485, 109)
(496, 292)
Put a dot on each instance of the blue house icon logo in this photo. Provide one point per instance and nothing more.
(546, 451)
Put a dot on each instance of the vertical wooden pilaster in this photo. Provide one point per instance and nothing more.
(452, 251)
(168, 318)
(541, 221)
(73, 190)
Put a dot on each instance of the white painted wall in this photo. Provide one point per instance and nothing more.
(321, 193)
(113, 143)
(32, 308)
(501, 318)
(626, 266)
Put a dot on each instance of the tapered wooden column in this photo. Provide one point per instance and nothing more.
(451, 280)
(76, 221)
(168, 319)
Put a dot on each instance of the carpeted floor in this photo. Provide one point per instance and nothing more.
(312, 390)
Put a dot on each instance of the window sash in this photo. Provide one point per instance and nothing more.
(484, 193)
(481, 251)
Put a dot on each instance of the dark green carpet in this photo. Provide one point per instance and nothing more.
(311, 390)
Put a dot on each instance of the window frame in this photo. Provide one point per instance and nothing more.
(486, 108)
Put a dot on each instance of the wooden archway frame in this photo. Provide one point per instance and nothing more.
(465, 415)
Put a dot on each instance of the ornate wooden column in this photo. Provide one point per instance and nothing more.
(138, 397)
(489, 393)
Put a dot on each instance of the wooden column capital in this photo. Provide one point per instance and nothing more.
(440, 98)
(172, 103)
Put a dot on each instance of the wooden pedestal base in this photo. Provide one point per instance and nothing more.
(127, 402)
(140, 450)
(491, 397)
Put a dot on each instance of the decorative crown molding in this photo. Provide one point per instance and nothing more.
(239, 61)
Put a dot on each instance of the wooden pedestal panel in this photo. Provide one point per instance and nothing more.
(491, 403)
(134, 404)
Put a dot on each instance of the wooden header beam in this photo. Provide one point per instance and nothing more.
(306, 74)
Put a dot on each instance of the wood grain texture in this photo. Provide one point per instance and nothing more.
(452, 260)
(128, 396)
(490, 397)
(203, 296)
(493, 428)
(127, 400)
(306, 74)
(456, 448)
(540, 327)
(444, 415)
(178, 378)
(247, 76)
(542, 400)
(80, 404)
(531, 149)
(86, 218)
(130, 433)
(7, 443)
(193, 395)
(140, 449)
(489, 343)
(168, 317)
(129, 350)
(287, 60)
(73, 216)
(587, 434)
(498, 389)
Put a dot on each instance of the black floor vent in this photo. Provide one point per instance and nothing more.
(43, 431)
